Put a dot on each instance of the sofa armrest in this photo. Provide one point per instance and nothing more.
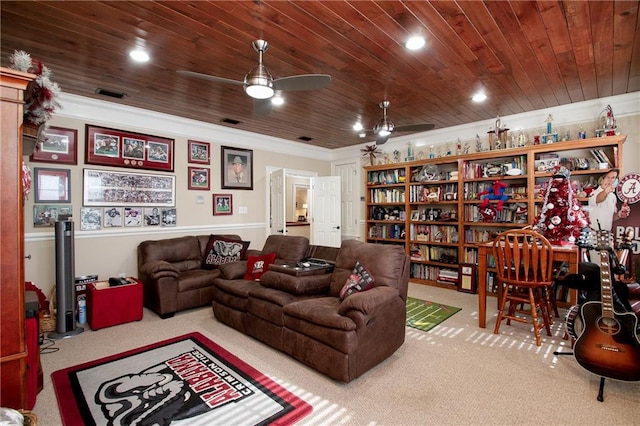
(157, 269)
(233, 270)
(368, 302)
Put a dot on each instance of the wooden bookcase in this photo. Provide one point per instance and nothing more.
(438, 220)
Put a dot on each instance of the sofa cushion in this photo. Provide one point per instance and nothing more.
(258, 265)
(288, 249)
(299, 286)
(359, 280)
(196, 279)
(221, 250)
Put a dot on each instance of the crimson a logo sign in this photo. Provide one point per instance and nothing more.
(629, 188)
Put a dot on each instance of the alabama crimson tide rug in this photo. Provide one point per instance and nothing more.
(187, 380)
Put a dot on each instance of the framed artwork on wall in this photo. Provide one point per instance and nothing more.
(222, 204)
(112, 189)
(113, 147)
(58, 146)
(132, 216)
(52, 185)
(199, 152)
(45, 215)
(90, 218)
(237, 168)
(199, 178)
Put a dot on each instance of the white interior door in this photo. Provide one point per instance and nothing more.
(325, 211)
(278, 202)
(349, 197)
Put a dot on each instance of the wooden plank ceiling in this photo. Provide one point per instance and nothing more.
(525, 55)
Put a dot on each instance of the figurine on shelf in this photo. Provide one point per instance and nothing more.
(478, 143)
(495, 192)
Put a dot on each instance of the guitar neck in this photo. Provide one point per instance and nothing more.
(606, 284)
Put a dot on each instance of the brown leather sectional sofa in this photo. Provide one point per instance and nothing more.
(302, 314)
(172, 274)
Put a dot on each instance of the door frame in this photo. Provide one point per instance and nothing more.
(287, 172)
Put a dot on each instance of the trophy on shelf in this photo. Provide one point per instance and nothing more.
(607, 123)
(550, 136)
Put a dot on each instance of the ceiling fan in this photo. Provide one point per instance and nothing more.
(385, 127)
(260, 84)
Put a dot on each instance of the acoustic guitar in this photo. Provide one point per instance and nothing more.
(608, 345)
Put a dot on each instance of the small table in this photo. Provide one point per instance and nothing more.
(567, 254)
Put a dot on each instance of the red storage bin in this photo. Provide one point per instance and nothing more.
(108, 306)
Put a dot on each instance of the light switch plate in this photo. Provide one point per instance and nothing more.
(199, 199)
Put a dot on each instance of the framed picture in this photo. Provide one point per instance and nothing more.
(415, 215)
(113, 217)
(151, 216)
(112, 147)
(132, 216)
(90, 218)
(222, 204)
(58, 146)
(199, 152)
(45, 215)
(169, 217)
(237, 168)
(52, 185)
(112, 189)
(199, 178)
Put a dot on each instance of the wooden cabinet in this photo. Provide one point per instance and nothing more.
(432, 206)
(13, 356)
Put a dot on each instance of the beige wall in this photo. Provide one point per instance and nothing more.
(109, 252)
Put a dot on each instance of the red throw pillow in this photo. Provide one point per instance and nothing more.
(258, 265)
(359, 280)
(221, 250)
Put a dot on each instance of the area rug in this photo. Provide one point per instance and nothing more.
(187, 380)
(425, 315)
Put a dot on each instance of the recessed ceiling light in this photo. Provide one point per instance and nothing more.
(362, 134)
(479, 97)
(277, 100)
(414, 42)
(139, 55)
(358, 126)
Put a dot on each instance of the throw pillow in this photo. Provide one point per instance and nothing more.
(258, 265)
(221, 250)
(359, 280)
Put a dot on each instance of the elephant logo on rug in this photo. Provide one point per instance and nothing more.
(182, 387)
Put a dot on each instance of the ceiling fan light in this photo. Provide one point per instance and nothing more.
(384, 127)
(259, 83)
(277, 100)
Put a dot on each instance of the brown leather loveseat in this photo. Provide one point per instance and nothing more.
(305, 317)
(172, 273)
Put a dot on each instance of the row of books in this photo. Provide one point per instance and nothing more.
(432, 193)
(389, 195)
(434, 233)
(472, 214)
(434, 273)
(387, 177)
(434, 254)
(477, 236)
(387, 231)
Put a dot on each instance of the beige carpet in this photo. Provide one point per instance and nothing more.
(454, 374)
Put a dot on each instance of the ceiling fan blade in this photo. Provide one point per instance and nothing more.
(302, 82)
(210, 77)
(262, 106)
(382, 139)
(414, 128)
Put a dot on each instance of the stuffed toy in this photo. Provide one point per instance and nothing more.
(494, 192)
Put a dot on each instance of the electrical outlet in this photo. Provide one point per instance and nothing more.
(243, 210)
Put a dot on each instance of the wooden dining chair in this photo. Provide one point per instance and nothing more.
(524, 268)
